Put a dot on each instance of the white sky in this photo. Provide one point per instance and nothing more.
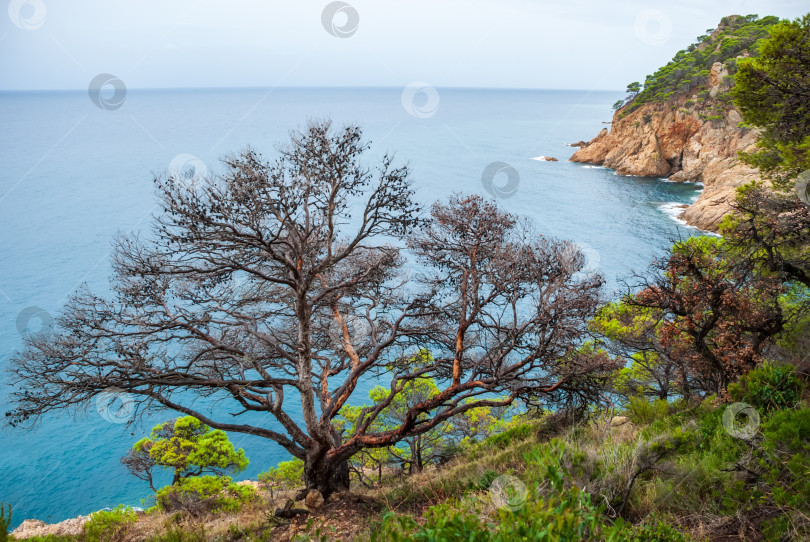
(577, 44)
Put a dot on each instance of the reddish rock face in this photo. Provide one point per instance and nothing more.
(671, 140)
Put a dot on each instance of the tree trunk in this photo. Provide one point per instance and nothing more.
(326, 476)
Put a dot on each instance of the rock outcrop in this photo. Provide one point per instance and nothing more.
(681, 140)
(35, 527)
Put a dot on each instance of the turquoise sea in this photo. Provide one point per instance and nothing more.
(74, 174)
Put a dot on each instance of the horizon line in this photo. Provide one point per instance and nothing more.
(317, 87)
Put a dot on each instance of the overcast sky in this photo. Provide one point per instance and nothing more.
(576, 44)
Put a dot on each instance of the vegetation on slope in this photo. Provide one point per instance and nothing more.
(689, 70)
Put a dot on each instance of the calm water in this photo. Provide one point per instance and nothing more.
(73, 175)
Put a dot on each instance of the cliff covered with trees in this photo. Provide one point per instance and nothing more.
(682, 124)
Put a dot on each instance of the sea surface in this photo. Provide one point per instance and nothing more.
(73, 174)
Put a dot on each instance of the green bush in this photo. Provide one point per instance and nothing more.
(5, 522)
(769, 387)
(204, 494)
(486, 479)
(572, 518)
(641, 410)
(287, 474)
(569, 517)
(655, 532)
(109, 524)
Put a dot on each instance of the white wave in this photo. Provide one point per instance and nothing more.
(594, 167)
(543, 159)
(673, 210)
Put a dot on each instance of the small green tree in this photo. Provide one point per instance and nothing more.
(5, 522)
(287, 474)
(633, 334)
(188, 447)
(773, 93)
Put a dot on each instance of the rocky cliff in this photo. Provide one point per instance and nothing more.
(694, 136)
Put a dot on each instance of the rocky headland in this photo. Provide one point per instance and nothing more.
(691, 136)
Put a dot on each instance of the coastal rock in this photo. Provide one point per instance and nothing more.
(579, 144)
(545, 159)
(35, 527)
(673, 140)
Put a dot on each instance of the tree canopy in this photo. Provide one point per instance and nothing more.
(690, 68)
(285, 279)
(186, 446)
(773, 93)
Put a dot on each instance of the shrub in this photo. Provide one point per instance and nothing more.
(570, 518)
(5, 522)
(287, 474)
(109, 524)
(186, 446)
(641, 410)
(204, 494)
(769, 387)
(655, 532)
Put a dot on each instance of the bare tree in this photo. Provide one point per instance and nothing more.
(287, 279)
(715, 313)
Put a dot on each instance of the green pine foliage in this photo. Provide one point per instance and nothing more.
(204, 494)
(689, 70)
(109, 524)
(5, 521)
